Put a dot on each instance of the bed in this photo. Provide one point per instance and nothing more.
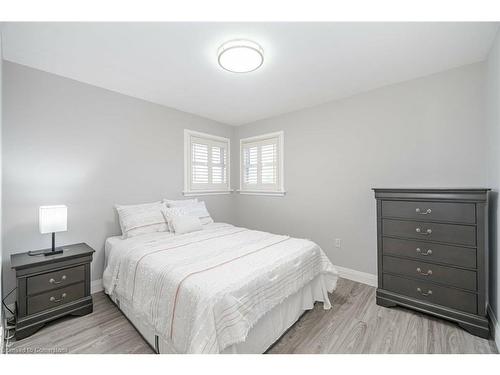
(223, 289)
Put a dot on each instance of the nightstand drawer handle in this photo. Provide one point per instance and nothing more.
(428, 293)
(428, 252)
(52, 281)
(53, 299)
(420, 212)
(426, 233)
(429, 272)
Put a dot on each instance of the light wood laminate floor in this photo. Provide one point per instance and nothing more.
(355, 324)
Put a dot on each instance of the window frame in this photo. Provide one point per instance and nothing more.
(280, 190)
(188, 189)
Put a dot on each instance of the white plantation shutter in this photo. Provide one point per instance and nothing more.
(199, 163)
(219, 161)
(206, 164)
(262, 163)
(269, 160)
(250, 157)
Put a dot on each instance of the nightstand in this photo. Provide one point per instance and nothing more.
(50, 287)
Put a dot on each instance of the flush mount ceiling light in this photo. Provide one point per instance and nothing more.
(240, 56)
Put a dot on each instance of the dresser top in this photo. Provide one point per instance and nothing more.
(23, 260)
(432, 190)
(475, 195)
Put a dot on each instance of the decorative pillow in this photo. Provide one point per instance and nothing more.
(186, 224)
(141, 219)
(180, 203)
(199, 210)
(170, 213)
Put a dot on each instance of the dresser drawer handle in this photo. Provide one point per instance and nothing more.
(53, 299)
(428, 252)
(420, 212)
(425, 233)
(428, 293)
(429, 272)
(52, 281)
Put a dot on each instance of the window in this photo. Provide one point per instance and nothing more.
(206, 164)
(261, 165)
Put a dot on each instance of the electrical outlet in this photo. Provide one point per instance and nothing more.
(338, 243)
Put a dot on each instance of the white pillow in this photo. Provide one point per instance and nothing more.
(141, 219)
(170, 213)
(199, 210)
(180, 203)
(186, 224)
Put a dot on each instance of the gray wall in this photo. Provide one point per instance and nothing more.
(66, 142)
(422, 133)
(493, 132)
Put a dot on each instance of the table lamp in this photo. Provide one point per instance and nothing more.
(53, 219)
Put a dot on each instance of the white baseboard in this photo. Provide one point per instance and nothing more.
(360, 277)
(496, 327)
(96, 286)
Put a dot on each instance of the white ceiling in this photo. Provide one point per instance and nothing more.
(175, 64)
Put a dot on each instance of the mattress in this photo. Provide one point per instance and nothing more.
(220, 290)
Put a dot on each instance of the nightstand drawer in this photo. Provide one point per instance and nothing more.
(55, 298)
(53, 280)
(449, 233)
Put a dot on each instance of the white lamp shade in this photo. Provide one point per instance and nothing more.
(53, 218)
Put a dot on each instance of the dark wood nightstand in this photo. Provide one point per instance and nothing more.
(50, 287)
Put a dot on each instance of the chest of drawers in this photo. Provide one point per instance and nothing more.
(432, 253)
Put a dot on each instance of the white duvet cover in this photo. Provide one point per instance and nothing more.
(203, 291)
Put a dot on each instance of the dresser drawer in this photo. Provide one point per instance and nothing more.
(431, 272)
(452, 255)
(55, 298)
(52, 280)
(450, 233)
(439, 211)
(432, 293)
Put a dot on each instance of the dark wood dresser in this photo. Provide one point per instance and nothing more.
(49, 287)
(433, 253)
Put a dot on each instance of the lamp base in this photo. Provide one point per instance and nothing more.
(46, 252)
(52, 251)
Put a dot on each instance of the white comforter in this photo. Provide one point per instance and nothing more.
(203, 291)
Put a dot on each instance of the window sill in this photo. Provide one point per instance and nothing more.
(205, 192)
(269, 193)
